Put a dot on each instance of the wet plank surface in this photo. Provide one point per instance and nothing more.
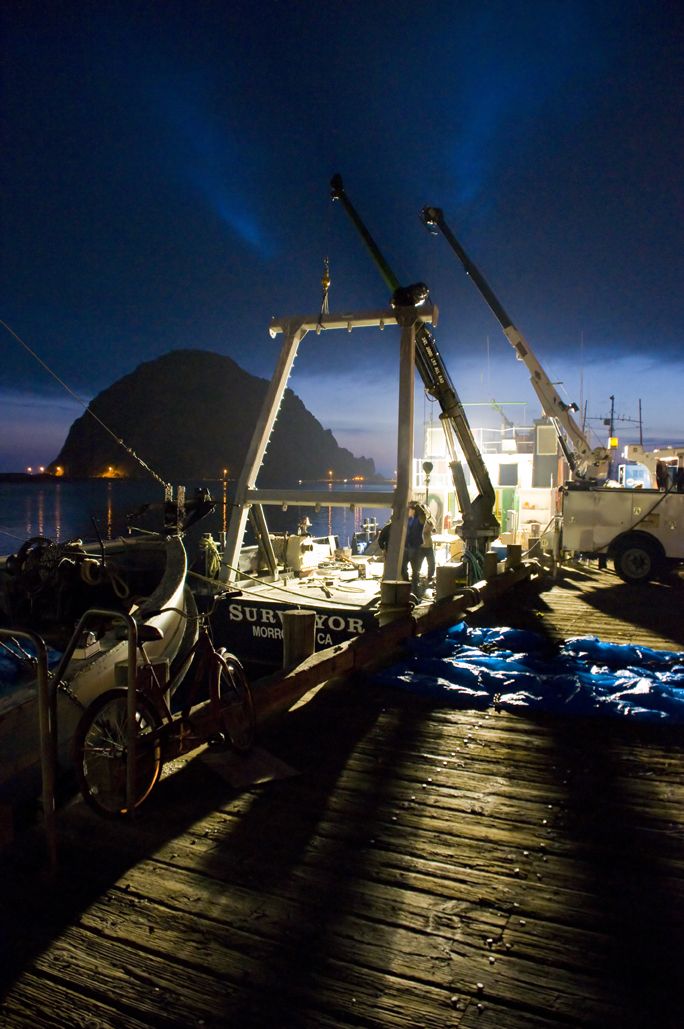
(405, 866)
(584, 600)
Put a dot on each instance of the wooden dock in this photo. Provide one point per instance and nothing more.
(399, 865)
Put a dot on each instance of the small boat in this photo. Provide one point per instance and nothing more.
(46, 588)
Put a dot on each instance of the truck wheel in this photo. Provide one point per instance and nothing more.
(636, 561)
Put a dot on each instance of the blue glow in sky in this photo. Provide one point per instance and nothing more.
(165, 185)
(501, 92)
(204, 154)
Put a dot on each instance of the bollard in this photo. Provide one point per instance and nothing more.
(395, 600)
(513, 556)
(491, 565)
(299, 636)
(448, 579)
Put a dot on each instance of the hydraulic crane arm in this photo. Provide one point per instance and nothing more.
(587, 463)
(479, 522)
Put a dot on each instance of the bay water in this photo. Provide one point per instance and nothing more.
(64, 510)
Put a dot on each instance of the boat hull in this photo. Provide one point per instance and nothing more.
(99, 666)
(251, 626)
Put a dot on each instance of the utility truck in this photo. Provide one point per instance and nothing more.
(640, 530)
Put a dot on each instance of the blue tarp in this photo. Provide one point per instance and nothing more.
(516, 670)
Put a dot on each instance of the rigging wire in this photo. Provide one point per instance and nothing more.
(87, 408)
(325, 285)
(12, 535)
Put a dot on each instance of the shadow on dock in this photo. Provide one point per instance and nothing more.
(585, 601)
(628, 852)
(256, 847)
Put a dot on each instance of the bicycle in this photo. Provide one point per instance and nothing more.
(100, 744)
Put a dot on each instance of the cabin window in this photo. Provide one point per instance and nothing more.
(508, 474)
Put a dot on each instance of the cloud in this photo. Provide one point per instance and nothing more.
(30, 400)
(34, 427)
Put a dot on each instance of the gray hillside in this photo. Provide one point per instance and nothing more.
(189, 415)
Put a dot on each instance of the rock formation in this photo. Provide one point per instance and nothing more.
(189, 415)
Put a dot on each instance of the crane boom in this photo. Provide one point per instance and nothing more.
(479, 521)
(587, 463)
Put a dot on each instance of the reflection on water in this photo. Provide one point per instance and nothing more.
(65, 510)
(35, 514)
(358, 519)
(110, 511)
(58, 511)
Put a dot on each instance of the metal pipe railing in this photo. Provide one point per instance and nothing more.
(47, 687)
(47, 733)
(132, 667)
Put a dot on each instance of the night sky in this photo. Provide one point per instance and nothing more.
(165, 184)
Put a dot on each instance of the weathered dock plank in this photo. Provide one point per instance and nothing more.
(586, 601)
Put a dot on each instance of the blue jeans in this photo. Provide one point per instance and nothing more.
(429, 554)
(413, 556)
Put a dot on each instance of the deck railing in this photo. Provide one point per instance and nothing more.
(47, 732)
(47, 685)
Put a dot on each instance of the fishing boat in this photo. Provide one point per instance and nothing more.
(79, 599)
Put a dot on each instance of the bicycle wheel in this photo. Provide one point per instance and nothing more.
(235, 698)
(100, 753)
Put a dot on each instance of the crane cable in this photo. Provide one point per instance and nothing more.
(88, 409)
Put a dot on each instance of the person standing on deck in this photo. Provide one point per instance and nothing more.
(427, 549)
